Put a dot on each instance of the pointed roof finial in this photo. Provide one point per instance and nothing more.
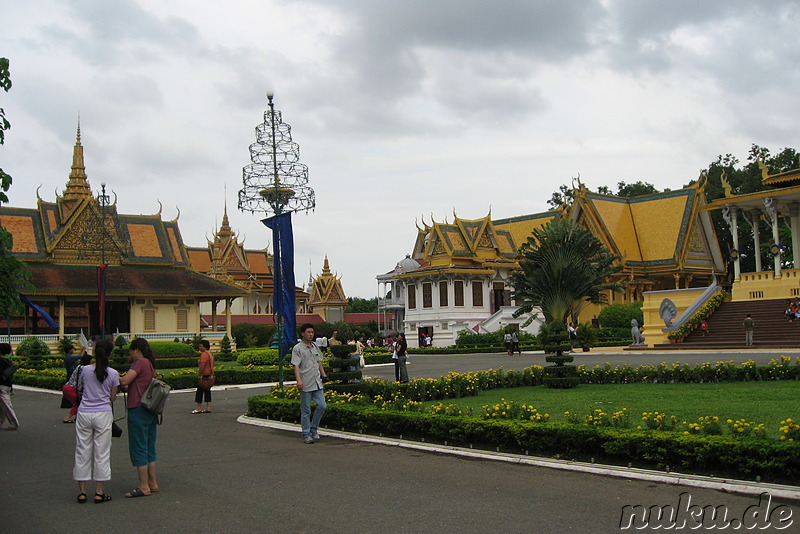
(225, 197)
(78, 184)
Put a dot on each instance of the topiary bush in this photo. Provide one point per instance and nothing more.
(556, 344)
(225, 347)
(344, 368)
(32, 347)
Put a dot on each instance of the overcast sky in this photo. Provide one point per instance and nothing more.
(403, 110)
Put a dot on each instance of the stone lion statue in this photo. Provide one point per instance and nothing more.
(638, 338)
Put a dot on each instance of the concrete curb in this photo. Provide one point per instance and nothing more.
(679, 479)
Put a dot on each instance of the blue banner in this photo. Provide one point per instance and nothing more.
(49, 320)
(283, 277)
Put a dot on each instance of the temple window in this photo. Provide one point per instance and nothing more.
(182, 319)
(149, 320)
(427, 295)
(412, 297)
(458, 292)
(477, 294)
(442, 294)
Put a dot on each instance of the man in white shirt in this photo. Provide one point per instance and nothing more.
(309, 373)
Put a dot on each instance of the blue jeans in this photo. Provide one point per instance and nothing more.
(308, 423)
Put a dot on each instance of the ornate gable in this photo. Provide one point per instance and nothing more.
(83, 238)
(326, 289)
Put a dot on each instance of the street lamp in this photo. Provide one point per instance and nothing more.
(103, 200)
(276, 182)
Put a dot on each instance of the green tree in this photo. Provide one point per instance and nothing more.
(14, 275)
(743, 179)
(564, 195)
(359, 305)
(562, 267)
(635, 189)
(619, 315)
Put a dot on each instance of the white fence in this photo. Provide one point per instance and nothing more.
(52, 339)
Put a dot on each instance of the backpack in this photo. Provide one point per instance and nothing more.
(155, 396)
(8, 370)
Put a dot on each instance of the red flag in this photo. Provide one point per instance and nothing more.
(101, 294)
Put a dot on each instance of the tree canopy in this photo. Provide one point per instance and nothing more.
(13, 273)
(562, 267)
(361, 305)
(566, 194)
(747, 179)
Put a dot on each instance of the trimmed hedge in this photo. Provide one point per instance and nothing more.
(773, 461)
(377, 358)
(260, 357)
(171, 348)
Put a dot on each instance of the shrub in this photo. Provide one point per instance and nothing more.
(620, 315)
(32, 346)
(342, 351)
(586, 336)
(63, 344)
(225, 347)
(170, 348)
(261, 335)
(259, 357)
(777, 461)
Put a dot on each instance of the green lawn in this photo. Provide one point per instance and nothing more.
(761, 402)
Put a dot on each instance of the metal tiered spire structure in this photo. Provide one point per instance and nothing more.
(275, 183)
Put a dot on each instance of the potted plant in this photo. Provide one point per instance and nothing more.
(586, 336)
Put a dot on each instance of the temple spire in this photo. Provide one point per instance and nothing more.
(225, 229)
(78, 184)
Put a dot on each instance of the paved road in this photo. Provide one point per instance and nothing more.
(218, 475)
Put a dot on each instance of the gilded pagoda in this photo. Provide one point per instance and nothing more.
(149, 286)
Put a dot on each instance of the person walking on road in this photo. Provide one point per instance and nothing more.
(748, 331)
(309, 374)
(6, 385)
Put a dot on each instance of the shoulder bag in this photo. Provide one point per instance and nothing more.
(155, 396)
(207, 381)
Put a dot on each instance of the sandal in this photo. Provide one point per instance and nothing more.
(101, 498)
(81, 498)
(197, 411)
(136, 493)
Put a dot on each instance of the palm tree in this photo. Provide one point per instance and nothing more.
(562, 266)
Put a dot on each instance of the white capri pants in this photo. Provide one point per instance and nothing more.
(93, 446)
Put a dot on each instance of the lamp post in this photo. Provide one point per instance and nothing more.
(275, 182)
(102, 199)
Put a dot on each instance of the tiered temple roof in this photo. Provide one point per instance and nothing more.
(62, 241)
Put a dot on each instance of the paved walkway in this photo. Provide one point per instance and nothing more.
(218, 475)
